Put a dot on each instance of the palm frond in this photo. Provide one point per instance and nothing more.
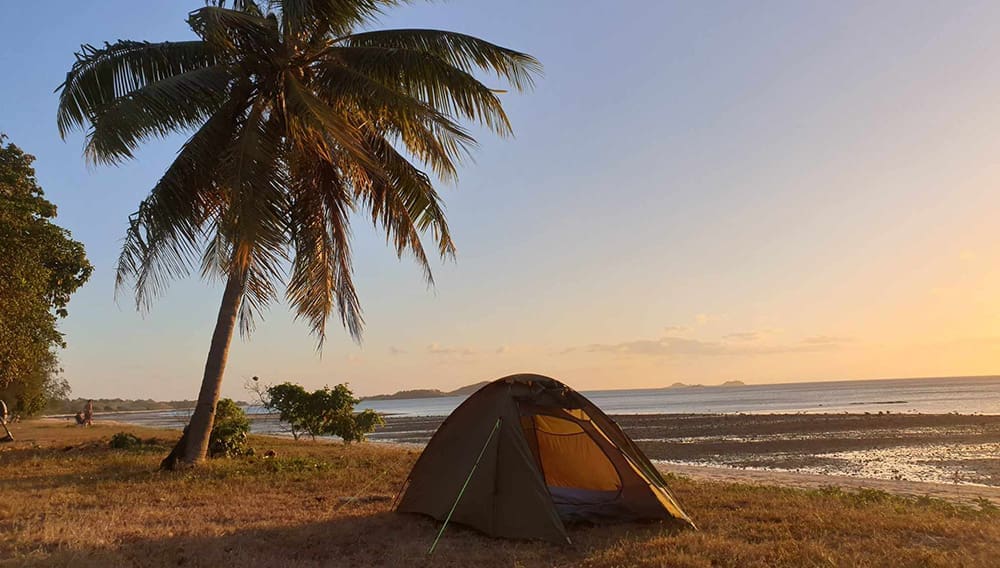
(169, 105)
(429, 79)
(100, 76)
(163, 236)
(404, 205)
(431, 136)
(253, 175)
(321, 279)
(321, 17)
(237, 33)
(307, 112)
(462, 51)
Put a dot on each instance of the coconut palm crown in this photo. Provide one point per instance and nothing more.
(297, 120)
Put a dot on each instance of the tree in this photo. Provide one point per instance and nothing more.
(324, 412)
(40, 268)
(299, 120)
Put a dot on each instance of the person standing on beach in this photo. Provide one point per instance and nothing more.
(4, 414)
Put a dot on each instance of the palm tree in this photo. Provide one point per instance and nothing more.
(297, 121)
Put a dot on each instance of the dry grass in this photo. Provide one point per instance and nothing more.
(66, 499)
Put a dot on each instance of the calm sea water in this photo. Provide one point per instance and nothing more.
(965, 395)
(940, 463)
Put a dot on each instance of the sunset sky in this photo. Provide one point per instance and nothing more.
(697, 192)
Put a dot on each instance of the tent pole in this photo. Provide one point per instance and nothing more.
(464, 485)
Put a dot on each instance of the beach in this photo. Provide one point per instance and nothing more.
(952, 449)
(948, 456)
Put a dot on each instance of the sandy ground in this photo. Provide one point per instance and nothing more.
(966, 494)
(938, 448)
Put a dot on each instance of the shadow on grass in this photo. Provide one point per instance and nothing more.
(374, 539)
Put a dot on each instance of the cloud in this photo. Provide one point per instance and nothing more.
(442, 350)
(676, 329)
(827, 340)
(670, 345)
(393, 350)
(673, 346)
(703, 319)
(503, 349)
(751, 335)
(744, 336)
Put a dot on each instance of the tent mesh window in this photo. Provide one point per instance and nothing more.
(582, 479)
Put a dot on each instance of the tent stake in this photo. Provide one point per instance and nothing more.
(464, 485)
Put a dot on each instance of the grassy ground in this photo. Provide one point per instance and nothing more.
(66, 499)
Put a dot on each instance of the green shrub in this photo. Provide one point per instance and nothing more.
(325, 412)
(229, 433)
(125, 441)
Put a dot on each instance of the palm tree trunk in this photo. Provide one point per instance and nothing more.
(193, 445)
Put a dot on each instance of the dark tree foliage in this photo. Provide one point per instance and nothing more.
(324, 412)
(40, 268)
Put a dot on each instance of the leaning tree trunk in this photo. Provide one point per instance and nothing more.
(193, 445)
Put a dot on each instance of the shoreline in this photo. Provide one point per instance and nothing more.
(725, 468)
(949, 449)
(958, 449)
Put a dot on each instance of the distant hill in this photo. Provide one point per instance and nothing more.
(427, 393)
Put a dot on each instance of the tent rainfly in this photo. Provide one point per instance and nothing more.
(526, 454)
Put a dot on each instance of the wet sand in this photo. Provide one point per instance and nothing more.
(957, 493)
(949, 449)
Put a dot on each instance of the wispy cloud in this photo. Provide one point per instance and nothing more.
(744, 336)
(444, 350)
(827, 340)
(735, 344)
(393, 350)
(752, 335)
(704, 319)
(503, 349)
(657, 347)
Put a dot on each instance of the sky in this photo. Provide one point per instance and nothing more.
(696, 192)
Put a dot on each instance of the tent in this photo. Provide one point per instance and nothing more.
(524, 455)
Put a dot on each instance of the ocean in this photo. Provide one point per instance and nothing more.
(943, 395)
(963, 452)
(940, 395)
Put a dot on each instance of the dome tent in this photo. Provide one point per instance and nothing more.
(526, 454)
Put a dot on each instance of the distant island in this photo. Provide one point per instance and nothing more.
(469, 389)
(428, 393)
(725, 384)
